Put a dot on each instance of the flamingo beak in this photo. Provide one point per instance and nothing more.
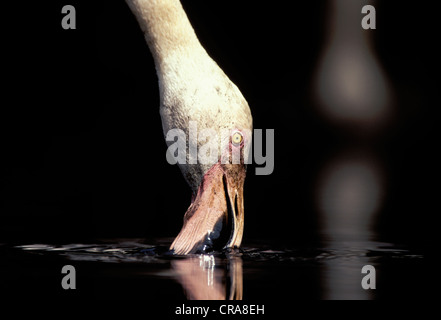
(215, 218)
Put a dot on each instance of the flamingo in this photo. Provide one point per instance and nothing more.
(195, 91)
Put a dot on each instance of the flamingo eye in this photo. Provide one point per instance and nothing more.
(237, 138)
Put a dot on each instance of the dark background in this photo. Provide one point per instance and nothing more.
(82, 145)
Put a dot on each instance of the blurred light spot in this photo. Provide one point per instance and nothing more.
(350, 85)
(349, 195)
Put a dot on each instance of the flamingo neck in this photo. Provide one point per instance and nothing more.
(169, 34)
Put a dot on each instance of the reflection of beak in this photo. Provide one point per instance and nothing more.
(203, 279)
(215, 218)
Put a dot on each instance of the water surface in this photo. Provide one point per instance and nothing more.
(136, 269)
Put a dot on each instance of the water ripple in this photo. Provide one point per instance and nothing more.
(121, 251)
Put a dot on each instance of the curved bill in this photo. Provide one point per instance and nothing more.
(215, 218)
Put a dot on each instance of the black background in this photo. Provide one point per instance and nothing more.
(82, 145)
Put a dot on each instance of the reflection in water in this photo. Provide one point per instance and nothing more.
(350, 87)
(342, 277)
(349, 196)
(136, 270)
(202, 279)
